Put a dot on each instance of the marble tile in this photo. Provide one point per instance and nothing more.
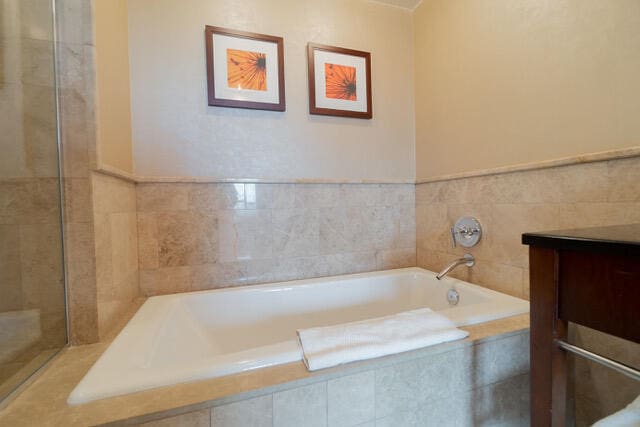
(396, 258)
(75, 66)
(301, 406)
(77, 132)
(244, 234)
(29, 201)
(74, 21)
(39, 131)
(432, 226)
(499, 277)
(575, 183)
(624, 180)
(256, 412)
(229, 196)
(510, 221)
(469, 191)
(37, 62)
(202, 197)
(295, 268)
(576, 215)
(77, 200)
(398, 194)
(509, 204)
(397, 388)
(501, 359)
(148, 250)
(335, 233)
(116, 249)
(362, 195)
(255, 196)
(12, 162)
(351, 399)
(505, 403)
(81, 283)
(451, 411)
(162, 197)
(350, 262)
(224, 274)
(124, 246)
(41, 267)
(428, 193)
(296, 232)
(112, 195)
(265, 233)
(445, 374)
(167, 280)
(186, 238)
(35, 19)
(104, 251)
(273, 196)
(10, 64)
(317, 195)
(10, 268)
(190, 419)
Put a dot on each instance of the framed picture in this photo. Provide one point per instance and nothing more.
(244, 70)
(339, 81)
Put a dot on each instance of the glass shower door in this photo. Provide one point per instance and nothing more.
(32, 301)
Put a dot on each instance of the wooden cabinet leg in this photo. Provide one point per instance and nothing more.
(548, 362)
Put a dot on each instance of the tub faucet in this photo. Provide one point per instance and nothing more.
(467, 259)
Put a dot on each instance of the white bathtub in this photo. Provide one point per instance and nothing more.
(192, 336)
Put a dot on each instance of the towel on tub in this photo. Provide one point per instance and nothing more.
(333, 345)
(627, 417)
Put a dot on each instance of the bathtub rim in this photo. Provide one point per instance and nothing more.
(74, 362)
(492, 308)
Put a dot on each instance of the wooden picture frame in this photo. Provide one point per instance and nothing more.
(339, 81)
(244, 70)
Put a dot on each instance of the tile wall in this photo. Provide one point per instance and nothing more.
(482, 384)
(116, 251)
(507, 205)
(203, 236)
(76, 88)
(31, 274)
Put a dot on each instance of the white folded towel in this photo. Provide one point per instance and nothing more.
(627, 417)
(333, 345)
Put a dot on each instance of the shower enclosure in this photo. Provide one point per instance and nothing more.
(32, 291)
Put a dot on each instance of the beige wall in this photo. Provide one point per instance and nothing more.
(501, 82)
(113, 111)
(176, 134)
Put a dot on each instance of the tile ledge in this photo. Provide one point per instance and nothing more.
(138, 179)
(544, 164)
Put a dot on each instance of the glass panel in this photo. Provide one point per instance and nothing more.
(595, 391)
(32, 301)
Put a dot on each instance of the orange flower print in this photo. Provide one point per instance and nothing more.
(246, 70)
(340, 82)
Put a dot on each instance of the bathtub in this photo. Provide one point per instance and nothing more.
(198, 335)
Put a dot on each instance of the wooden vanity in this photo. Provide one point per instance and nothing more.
(586, 276)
